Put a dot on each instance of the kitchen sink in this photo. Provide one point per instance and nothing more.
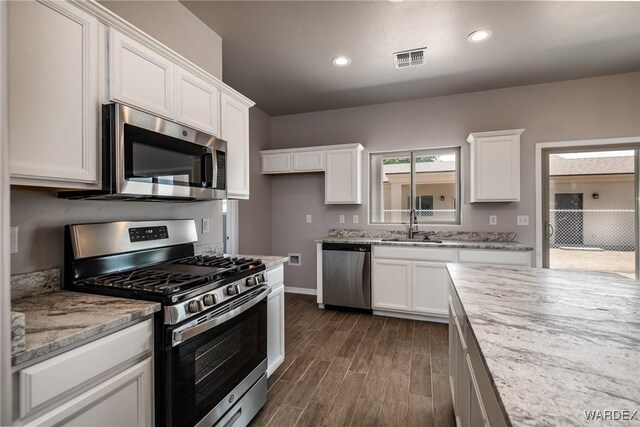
(416, 240)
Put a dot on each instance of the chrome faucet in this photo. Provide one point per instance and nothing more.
(413, 224)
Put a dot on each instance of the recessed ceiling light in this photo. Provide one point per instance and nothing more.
(479, 36)
(396, 1)
(341, 61)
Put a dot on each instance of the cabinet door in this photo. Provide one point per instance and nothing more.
(276, 163)
(391, 284)
(197, 103)
(342, 176)
(429, 283)
(125, 399)
(477, 414)
(496, 169)
(140, 76)
(275, 328)
(235, 130)
(53, 79)
(308, 161)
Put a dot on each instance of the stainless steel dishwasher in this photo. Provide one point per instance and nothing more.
(346, 275)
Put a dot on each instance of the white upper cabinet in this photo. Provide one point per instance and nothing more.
(197, 102)
(276, 163)
(342, 179)
(140, 76)
(342, 165)
(235, 130)
(495, 166)
(53, 81)
(308, 161)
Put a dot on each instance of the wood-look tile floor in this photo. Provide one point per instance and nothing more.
(350, 369)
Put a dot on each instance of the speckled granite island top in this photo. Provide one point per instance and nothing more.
(557, 343)
(55, 320)
(451, 244)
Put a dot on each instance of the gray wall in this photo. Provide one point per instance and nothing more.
(601, 107)
(254, 215)
(40, 215)
(177, 27)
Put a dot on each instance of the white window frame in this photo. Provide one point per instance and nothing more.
(412, 152)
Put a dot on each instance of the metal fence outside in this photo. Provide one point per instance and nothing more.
(423, 215)
(608, 229)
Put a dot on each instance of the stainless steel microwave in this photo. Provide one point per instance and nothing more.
(145, 157)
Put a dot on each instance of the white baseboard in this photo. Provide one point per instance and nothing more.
(412, 316)
(303, 291)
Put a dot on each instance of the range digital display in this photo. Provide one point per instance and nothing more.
(142, 234)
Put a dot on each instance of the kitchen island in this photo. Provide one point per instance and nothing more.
(543, 347)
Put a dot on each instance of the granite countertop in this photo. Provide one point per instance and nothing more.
(55, 320)
(269, 260)
(556, 343)
(451, 244)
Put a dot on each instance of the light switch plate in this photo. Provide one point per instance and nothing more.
(523, 219)
(341, 219)
(308, 217)
(356, 219)
(493, 220)
(14, 239)
(205, 225)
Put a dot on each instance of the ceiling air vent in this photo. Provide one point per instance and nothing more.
(409, 58)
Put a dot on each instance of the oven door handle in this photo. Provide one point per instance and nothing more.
(190, 330)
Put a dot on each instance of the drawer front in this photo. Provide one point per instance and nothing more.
(415, 253)
(45, 381)
(275, 276)
(482, 256)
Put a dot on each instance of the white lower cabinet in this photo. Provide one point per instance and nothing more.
(107, 382)
(429, 288)
(123, 400)
(275, 320)
(391, 284)
(410, 286)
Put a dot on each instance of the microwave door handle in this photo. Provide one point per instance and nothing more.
(205, 160)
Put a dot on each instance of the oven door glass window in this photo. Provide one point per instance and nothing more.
(155, 158)
(207, 367)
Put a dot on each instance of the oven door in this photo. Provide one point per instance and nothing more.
(159, 158)
(211, 362)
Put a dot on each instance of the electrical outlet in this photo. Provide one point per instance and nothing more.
(493, 220)
(356, 219)
(341, 219)
(308, 217)
(523, 219)
(205, 225)
(14, 240)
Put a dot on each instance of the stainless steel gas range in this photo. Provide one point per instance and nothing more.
(210, 336)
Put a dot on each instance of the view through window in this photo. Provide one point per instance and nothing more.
(425, 180)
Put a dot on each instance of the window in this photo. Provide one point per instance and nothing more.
(425, 180)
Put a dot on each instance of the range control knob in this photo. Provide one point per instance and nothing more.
(260, 278)
(210, 299)
(233, 290)
(193, 307)
(251, 281)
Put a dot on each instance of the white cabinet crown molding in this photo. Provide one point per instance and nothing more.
(475, 135)
(314, 148)
(116, 22)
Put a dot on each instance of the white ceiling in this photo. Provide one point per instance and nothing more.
(279, 53)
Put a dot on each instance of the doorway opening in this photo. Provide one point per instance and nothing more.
(590, 208)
